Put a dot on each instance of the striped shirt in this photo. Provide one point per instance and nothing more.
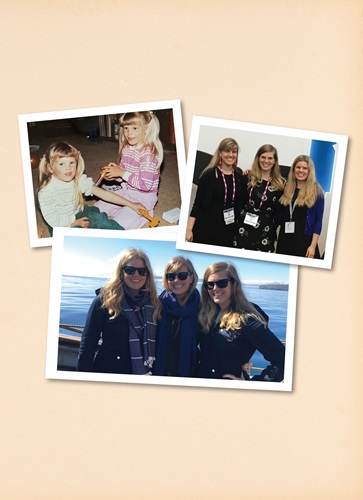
(142, 173)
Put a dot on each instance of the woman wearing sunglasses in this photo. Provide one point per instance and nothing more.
(177, 334)
(120, 331)
(233, 329)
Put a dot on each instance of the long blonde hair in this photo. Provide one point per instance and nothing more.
(113, 292)
(311, 190)
(149, 121)
(227, 144)
(240, 307)
(173, 266)
(255, 176)
(61, 150)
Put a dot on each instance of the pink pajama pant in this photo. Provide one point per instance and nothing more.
(125, 216)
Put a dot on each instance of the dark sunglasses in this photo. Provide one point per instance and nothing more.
(220, 283)
(182, 276)
(130, 270)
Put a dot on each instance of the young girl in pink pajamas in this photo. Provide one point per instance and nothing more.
(138, 169)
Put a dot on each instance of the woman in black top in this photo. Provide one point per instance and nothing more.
(300, 211)
(218, 199)
(233, 329)
(256, 228)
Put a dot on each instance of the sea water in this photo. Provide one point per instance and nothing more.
(77, 293)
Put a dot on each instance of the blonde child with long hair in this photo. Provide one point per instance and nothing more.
(234, 328)
(178, 330)
(138, 169)
(256, 221)
(300, 212)
(62, 187)
(120, 331)
(218, 199)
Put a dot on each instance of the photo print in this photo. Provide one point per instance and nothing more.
(262, 192)
(116, 167)
(95, 276)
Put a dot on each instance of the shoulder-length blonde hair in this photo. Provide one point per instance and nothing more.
(227, 144)
(53, 153)
(113, 292)
(311, 190)
(255, 175)
(240, 307)
(173, 266)
(150, 123)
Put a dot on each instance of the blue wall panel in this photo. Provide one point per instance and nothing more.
(323, 153)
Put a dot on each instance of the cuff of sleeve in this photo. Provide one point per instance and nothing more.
(89, 188)
(73, 218)
(126, 176)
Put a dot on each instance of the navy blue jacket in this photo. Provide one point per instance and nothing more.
(225, 352)
(113, 355)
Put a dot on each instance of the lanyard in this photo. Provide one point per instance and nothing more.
(292, 208)
(225, 187)
(263, 196)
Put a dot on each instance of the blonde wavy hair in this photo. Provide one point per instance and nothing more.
(173, 266)
(255, 175)
(227, 144)
(150, 123)
(113, 292)
(239, 309)
(311, 190)
(53, 153)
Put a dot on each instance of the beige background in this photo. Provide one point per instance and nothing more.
(286, 63)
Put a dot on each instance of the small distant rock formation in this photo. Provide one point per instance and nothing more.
(275, 286)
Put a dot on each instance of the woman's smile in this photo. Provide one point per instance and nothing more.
(134, 281)
(220, 296)
(180, 287)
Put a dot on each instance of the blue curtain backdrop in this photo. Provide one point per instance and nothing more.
(323, 153)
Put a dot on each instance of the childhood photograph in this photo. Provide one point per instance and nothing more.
(114, 168)
(127, 307)
(262, 192)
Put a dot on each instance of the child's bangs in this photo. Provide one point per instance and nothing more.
(58, 155)
(63, 150)
(132, 121)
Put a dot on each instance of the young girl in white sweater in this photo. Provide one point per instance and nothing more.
(62, 187)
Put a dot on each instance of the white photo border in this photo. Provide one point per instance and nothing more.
(337, 181)
(163, 235)
(24, 119)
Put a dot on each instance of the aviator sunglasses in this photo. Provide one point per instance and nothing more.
(220, 283)
(130, 270)
(182, 276)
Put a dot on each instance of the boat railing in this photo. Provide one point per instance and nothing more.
(68, 348)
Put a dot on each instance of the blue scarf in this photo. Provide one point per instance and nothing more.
(189, 329)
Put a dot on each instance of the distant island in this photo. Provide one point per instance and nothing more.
(275, 286)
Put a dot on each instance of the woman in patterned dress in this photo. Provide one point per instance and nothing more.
(256, 221)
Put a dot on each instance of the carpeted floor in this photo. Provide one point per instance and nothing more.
(96, 155)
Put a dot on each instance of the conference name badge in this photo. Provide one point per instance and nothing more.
(251, 219)
(228, 215)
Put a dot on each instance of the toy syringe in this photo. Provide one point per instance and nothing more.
(99, 180)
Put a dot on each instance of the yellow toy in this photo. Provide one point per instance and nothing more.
(154, 221)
